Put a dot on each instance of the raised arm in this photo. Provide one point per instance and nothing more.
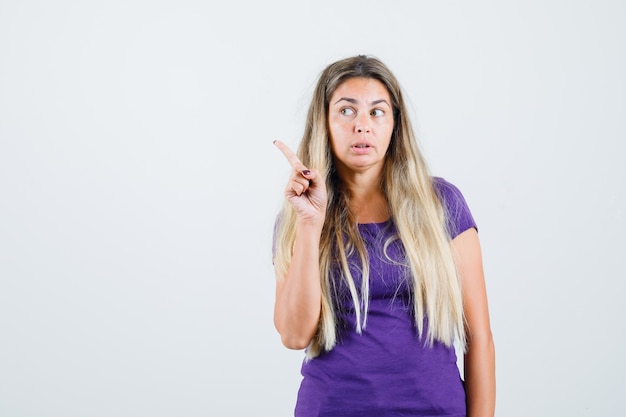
(479, 361)
(298, 294)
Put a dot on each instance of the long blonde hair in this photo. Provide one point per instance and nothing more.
(415, 208)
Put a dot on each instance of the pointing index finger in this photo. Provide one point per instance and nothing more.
(291, 157)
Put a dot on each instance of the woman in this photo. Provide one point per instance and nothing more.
(378, 263)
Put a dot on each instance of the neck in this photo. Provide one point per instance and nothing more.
(367, 200)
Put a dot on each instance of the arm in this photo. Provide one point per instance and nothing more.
(299, 294)
(479, 361)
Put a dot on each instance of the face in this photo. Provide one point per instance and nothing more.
(360, 122)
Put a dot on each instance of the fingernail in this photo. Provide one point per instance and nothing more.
(274, 141)
(306, 172)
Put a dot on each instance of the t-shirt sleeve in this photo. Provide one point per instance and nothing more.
(458, 215)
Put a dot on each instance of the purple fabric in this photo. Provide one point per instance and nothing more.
(387, 370)
(458, 216)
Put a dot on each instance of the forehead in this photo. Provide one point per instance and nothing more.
(361, 89)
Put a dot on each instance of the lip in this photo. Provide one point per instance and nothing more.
(361, 148)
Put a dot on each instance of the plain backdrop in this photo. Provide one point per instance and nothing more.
(139, 185)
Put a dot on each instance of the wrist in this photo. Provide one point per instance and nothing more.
(310, 225)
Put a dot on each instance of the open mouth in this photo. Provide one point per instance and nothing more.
(361, 146)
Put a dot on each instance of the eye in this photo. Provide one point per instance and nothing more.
(377, 113)
(346, 111)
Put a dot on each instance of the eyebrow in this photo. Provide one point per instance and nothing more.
(354, 101)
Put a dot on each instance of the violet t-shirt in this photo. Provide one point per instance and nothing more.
(387, 370)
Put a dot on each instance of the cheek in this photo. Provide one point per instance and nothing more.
(336, 131)
(332, 141)
(389, 135)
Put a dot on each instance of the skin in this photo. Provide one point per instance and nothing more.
(360, 123)
(298, 296)
(479, 361)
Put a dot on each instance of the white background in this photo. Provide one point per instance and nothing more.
(139, 185)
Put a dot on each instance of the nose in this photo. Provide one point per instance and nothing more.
(362, 124)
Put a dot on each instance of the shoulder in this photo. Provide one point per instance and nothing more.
(457, 213)
(446, 188)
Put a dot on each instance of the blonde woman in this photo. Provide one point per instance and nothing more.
(378, 263)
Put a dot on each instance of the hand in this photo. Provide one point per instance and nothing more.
(306, 189)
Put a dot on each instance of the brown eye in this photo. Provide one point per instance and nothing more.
(377, 113)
